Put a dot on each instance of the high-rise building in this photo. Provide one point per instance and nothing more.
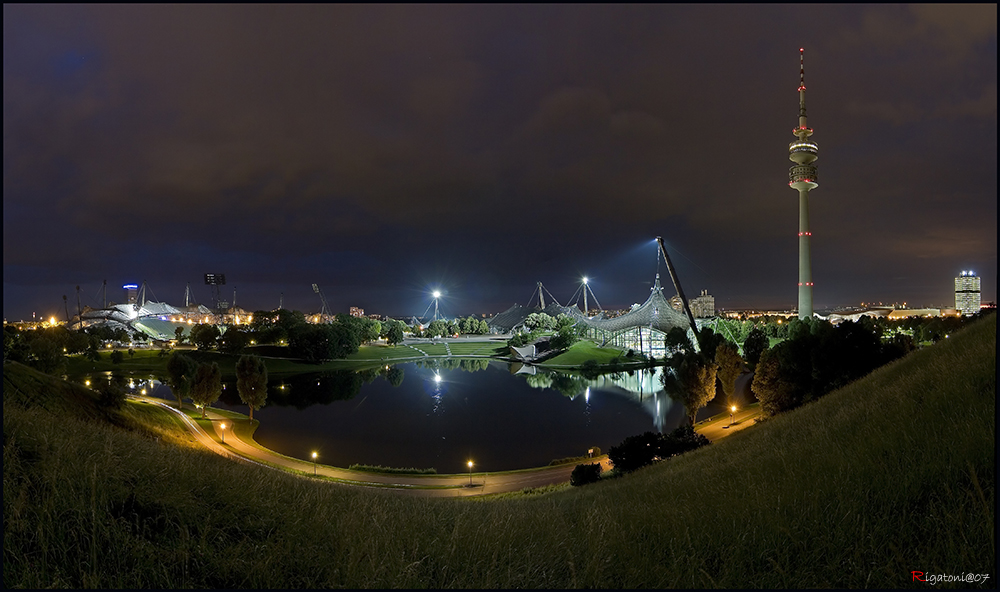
(802, 177)
(968, 296)
(703, 307)
(131, 293)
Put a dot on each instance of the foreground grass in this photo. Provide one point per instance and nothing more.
(892, 474)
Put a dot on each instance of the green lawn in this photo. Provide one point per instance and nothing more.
(478, 348)
(380, 352)
(581, 351)
(431, 349)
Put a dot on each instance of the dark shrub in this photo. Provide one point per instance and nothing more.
(634, 452)
(584, 474)
(638, 451)
(590, 369)
(680, 441)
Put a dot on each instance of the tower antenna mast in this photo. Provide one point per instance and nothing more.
(802, 177)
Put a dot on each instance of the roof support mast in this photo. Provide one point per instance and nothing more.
(677, 285)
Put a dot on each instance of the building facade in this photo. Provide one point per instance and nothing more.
(703, 307)
(968, 295)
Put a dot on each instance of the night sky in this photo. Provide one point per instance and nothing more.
(384, 151)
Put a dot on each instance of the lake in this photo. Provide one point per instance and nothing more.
(445, 412)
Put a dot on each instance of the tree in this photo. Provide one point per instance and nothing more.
(234, 340)
(539, 320)
(772, 387)
(251, 382)
(730, 366)
(754, 345)
(371, 330)
(117, 356)
(205, 336)
(691, 380)
(181, 371)
(207, 386)
(677, 340)
(393, 332)
(708, 341)
(310, 343)
(566, 337)
(437, 328)
(179, 334)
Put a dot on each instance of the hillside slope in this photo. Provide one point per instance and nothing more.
(892, 474)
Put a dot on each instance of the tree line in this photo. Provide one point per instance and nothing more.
(814, 358)
(202, 382)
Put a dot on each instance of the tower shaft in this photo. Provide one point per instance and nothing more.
(802, 177)
(805, 266)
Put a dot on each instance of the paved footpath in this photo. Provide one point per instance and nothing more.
(419, 485)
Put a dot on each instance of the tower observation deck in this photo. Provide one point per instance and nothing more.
(802, 177)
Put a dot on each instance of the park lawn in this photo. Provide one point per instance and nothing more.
(146, 361)
(382, 352)
(431, 349)
(581, 351)
(478, 348)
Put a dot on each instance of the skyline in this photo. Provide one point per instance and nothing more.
(382, 152)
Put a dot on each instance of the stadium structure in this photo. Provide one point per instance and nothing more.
(643, 329)
(156, 320)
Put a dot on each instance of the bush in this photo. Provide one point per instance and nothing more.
(590, 369)
(634, 452)
(638, 451)
(680, 441)
(112, 394)
(584, 474)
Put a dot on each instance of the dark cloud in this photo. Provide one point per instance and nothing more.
(382, 149)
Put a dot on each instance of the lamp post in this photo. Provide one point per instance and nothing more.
(314, 455)
(470, 473)
(223, 426)
(732, 412)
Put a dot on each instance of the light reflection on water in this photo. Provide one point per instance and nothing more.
(441, 415)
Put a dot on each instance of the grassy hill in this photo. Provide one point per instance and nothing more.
(891, 474)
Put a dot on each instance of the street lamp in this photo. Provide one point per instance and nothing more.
(314, 455)
(732, 412)
(437, 295)
(470, 473)
(223, 426)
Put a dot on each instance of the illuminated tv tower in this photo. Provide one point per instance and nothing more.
(802, 177)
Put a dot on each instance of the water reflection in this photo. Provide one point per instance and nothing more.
(642, 385)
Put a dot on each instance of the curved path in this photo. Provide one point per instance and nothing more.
(232, 445)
